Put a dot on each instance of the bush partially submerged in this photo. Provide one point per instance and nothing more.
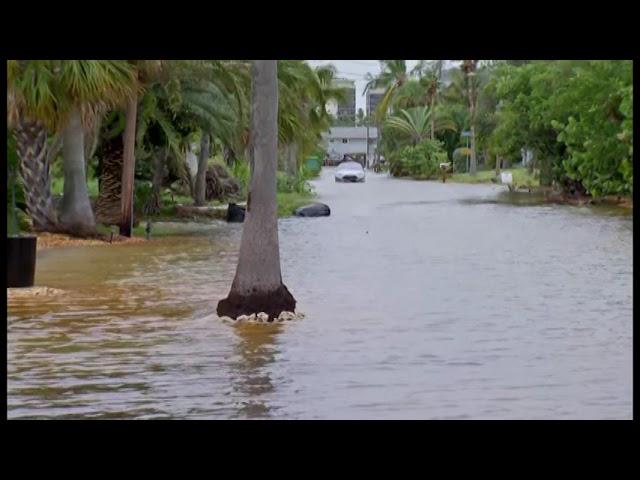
(421, 160)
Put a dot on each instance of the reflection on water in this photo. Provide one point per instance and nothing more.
(251, 379)
(422, 300)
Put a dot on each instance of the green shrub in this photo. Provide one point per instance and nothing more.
(421, 160)
(241, 172)
(298, 183)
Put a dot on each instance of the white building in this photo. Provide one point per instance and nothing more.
(346, 108)
(340, 141)
(374, 96)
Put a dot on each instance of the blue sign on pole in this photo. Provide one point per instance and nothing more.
(466, 134)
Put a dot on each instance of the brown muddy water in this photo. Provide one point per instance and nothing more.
(422, 300)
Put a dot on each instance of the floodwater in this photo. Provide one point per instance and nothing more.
(422, 300)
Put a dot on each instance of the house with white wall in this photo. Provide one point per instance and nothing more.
(340, 141)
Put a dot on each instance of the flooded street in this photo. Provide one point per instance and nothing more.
(422, 300)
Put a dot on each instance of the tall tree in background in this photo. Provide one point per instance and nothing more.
(257, 286)
(431, 78)
(145, 71)
(469, 67)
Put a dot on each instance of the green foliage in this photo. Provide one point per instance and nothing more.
(599, 151)
(48, 90)
(298, 183)
(241, 172)
(415, 124)
(288, 202)
(421, 160)
(575, 115)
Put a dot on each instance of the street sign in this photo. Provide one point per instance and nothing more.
(466, 134)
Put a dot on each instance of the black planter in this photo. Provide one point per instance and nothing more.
(21, 261)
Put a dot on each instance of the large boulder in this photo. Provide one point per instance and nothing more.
(313, 210)
(235, 213)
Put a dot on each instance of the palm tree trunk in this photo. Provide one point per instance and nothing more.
(474, 161)
(433, 117)
(291, 159)
(31, 146)
(128, 168)
(110, 181)
(257, 286)
(91, 139)
(472, 118)
(76, 216)
(156, 183)
(201, 175)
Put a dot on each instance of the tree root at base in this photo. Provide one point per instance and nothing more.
(272, 304)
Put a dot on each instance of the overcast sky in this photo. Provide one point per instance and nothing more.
(356, 70)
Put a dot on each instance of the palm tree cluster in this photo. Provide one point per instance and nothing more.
(138, 119)
(418, 106)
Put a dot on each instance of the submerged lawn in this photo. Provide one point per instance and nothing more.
(521, 177)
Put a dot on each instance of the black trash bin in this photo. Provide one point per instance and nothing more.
(21, 261)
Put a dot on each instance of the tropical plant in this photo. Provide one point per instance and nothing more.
(418, 160)
(416, 123)
(430, 73)
(392, 76)
(61, 96)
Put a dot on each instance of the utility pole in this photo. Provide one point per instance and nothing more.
(367, 146)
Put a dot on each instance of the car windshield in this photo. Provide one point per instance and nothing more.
(349, 166)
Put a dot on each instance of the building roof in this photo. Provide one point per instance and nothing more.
(351, 132)
(344, 82)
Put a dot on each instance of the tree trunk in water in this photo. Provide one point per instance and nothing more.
(128, 168)
(31, 146)
(201, 175)
(110, 181)
(257, 286)
(76, 216)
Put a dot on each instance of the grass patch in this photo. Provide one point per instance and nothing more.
(288, 202)
(521, 177)
(57, 186)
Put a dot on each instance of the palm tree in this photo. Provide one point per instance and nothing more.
(392, 76)
(61, 95)
(303, 94)
(469, 68)
(257, 286)
(177, 102)
(431, 77)
(145, 70)
(415, 123)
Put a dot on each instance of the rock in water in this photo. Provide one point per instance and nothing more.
(235, 213)
(263, 317)
(313, 210)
